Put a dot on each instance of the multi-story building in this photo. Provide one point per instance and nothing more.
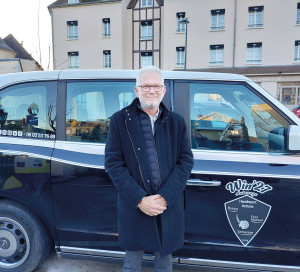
(257, 38)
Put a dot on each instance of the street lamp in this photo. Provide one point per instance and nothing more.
(185, 22)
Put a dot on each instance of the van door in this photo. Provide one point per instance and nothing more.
(84, 198)
(242, 199)
(27, 138)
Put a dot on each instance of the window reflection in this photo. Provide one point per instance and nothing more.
(231, 117)
(90, 106)
(28, 110)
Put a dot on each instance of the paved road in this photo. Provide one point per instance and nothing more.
(54, 264)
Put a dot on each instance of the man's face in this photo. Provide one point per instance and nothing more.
(152, 98)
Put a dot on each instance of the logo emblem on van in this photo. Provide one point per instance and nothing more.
(246, 216)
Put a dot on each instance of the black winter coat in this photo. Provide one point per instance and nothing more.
(127, 165)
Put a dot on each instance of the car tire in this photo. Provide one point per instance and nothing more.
(24, 241)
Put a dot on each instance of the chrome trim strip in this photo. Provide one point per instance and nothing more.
(237, 156)
(203, 183)
(104, 253)
(246, 174)
(240, 265)
(94, 252)
(25, 141)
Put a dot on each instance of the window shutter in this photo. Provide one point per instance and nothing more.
(257, 8)
(217, 11)
(180, 14)
(73, 53)
(72, 23)
(216, 46)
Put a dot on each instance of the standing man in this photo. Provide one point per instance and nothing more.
(148, 158)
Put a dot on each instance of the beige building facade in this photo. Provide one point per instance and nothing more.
(257, 38)
(14, 58)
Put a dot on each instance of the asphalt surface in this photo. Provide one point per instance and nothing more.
(54, 264)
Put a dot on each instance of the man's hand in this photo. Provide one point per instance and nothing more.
(153, 205)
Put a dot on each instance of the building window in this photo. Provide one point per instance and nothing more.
(146, 59)
(72, 30)
(217, 54)
(73, 60)
(180, 56)
(254, 53)
(180, 27)
(256, 16)
(146, 3)
(73, 1)
(298, 14)
(147, 30)
(106, 27)
(107, 59)
(297, 51)
(289, 95)
(217, 19)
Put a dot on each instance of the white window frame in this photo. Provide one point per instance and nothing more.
(252, 52)
(72, 30)
(106, 59)
(180, 27)
(298, 14)
(297, 51)
(146, 30)
(180, 56)
(73, 59)
(255, 15)
(106, 32)
(146, 60)
(146, 3)
(216, 55)
(219, 17)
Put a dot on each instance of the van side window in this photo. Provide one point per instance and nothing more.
(232, 117)
(90, 106)
(29, 110)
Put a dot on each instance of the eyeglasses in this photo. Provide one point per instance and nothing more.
(147, 88)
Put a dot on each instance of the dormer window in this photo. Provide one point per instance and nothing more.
(73, 1)
(146, 3)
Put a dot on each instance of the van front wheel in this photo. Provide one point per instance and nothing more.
(24, 241)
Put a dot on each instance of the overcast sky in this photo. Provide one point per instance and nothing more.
(20, 18)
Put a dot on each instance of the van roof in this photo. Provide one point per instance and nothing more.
(13, 78)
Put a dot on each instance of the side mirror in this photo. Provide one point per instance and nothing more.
(293, 143)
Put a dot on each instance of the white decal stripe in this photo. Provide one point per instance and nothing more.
(254, 175)
(256, 157)
(87, 148)
(78, 163)
(23, 141)
(16, 153)
(22, 153)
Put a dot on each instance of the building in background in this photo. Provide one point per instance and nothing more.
(14, 58)
(257, 38)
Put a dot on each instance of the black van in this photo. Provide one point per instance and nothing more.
(242, 198)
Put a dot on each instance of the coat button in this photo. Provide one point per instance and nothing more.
(129, 119)
(148, 180)
(139, 148)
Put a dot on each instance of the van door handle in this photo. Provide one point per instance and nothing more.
(199, 182)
